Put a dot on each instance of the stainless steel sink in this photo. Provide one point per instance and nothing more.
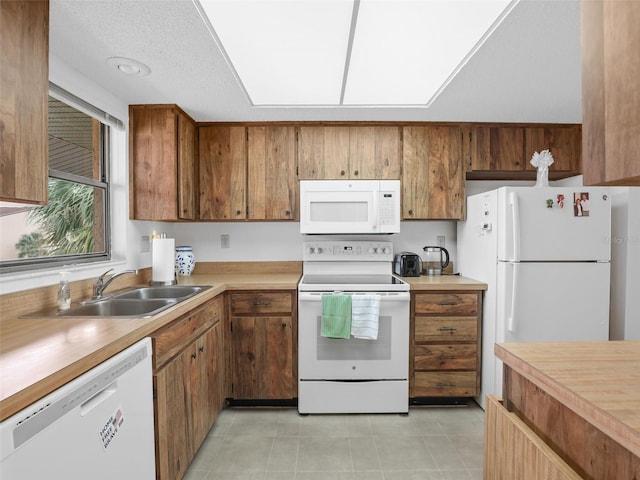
(116, 307)
(178, 292)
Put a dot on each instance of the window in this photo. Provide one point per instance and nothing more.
(73, 227)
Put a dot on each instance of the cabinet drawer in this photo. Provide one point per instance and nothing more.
(447, 303)
(173, 338)
(261, 303)
(446, 357)
(446, 329)
(437, 384)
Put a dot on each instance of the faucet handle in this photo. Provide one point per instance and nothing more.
(100, 279)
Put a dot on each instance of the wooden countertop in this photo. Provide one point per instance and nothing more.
(443, 282)
(600, 381)
(40, 354)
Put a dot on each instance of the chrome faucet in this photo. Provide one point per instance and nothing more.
(100, 285)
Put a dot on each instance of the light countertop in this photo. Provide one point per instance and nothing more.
(600, 381)
(40, 354)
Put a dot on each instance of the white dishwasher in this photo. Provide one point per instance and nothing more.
(98, 426)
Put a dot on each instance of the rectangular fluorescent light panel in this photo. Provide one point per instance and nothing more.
(403, 52)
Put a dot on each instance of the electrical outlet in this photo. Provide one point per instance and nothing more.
(145, 244)
(440, 239)
(224, 240)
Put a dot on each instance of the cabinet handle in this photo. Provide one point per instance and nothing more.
(410, 212)
(287, 213)
(201, 349)
(260, 304)
(446, 385)
(447, 303)
(447, 329)
(342, 172)
(356, 172)
(447, 357)
(193, 356)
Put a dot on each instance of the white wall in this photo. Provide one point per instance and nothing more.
(625, 264)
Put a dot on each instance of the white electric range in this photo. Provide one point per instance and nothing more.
(353, 375)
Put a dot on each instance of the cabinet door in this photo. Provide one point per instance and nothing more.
(223, 171)
(187, 165)
(153, 163)
(323, 153)
(433, 173)
(272, 186)
(262, 353)
(173, 416)
(498, 148)
(24, 88)
(374, 152)
(206, 383)
(564, 143)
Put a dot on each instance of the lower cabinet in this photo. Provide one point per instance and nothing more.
(445, 344)
(188, 386)
(513, 451)
(261, 330)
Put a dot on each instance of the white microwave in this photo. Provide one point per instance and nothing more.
(349, 206)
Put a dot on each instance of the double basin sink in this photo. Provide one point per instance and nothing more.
(137, 303)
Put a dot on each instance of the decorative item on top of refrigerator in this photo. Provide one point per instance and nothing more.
(542, 161)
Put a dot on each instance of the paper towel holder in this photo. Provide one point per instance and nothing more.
(156, 283)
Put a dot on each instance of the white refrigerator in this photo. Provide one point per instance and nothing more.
(544, 253)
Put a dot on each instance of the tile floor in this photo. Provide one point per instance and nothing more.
(431, 443)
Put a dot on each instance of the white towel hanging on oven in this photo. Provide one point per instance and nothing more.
(365, 310)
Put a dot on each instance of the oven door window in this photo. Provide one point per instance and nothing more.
(356, 348)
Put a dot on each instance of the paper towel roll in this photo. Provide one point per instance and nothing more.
(163, 260)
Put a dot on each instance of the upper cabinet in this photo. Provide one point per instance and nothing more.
(24, 88)
(223, 172)
(610, 92)
(433, 172)
(162, 154)
(272, 187)
(504, 151)
(248, 172)
(349, 152)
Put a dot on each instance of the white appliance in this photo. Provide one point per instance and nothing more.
(98, 426)
(352, 375)
(545, 256)
(350, 206)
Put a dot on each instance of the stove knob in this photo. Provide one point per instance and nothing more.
(319, 250)
(311, 250)
(371, 250)
(387, 250)
(378, 250)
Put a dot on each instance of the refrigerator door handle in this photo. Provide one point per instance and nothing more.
(515, 225)
(511, 320)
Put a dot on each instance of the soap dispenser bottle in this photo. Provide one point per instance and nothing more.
(64, 292)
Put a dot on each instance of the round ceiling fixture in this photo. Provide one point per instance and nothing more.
(129, 67)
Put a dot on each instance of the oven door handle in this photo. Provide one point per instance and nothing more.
(384, 298)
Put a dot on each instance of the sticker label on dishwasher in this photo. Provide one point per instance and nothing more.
(111, 428)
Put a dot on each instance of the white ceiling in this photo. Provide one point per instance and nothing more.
(527, 71)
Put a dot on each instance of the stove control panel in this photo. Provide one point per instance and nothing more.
(359, 250)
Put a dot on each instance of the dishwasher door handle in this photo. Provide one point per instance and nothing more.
(98, 398)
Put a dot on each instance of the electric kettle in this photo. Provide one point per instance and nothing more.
(434, 260)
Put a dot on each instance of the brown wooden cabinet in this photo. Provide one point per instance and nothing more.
(433, 177)
(445, 344)
(162, 151)
(330, 152)
(504, 151)
(188, 384)
(272, 187)
(24, 90)
(223, 172)
(610, 41)
(529, 456)
(262, 345)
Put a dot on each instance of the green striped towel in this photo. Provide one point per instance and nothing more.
(336, 316)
